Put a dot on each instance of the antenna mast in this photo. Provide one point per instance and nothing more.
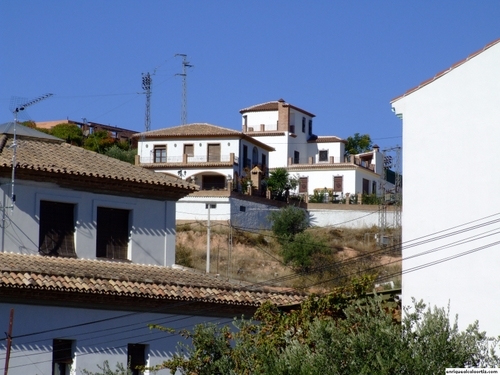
(185, 64)
(146, 86)
(15, 110)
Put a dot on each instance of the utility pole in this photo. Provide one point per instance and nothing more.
(208, 239)
(185, 65)
(9, 342)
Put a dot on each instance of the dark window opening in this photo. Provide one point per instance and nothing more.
(212, 205)
(245, 157)
(160, 154)
(366, 186)
(303, 124)
(112, 233)
(213, 182)
(136, 354)
(62, 356)
(296, 157)
(323, 155)
(255, 156)
(243, 209)
(310, 127)
(264, 163)
(57, 229)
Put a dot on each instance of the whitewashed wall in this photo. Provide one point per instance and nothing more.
(95, 342)
(255, 119)
(152, 234)
(451, 133)
(351, 218)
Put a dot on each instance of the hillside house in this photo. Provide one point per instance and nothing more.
(456, 114)
(319, 161)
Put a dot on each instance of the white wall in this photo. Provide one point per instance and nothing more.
(451, 132)
(255, 119)
(350, 218)
(95, 342)
(152, 234)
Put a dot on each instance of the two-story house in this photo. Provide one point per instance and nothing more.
(318, 160)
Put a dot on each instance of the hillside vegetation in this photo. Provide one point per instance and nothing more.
(257, 257)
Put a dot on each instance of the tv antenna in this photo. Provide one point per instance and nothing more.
(185, 64)
(17, 105)
(146, 86)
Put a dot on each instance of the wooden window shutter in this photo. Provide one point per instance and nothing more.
(214, 152)
(112, 233)
(338, 184)
(57, 229)
(189, 150)
(303, 185)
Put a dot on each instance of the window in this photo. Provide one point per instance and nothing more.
(374, 187)
(189, 150)
(136, 354)
(212, 205)
(62, 356)
(323, 155)
(160, 154)
(303, 124)
(112, 233)
(366, 186)
(213, 182)
(243, 209)
(245, 157)
(214, 152)
(303, 185)
(292, 129)
(255, 156)
(264, 162)
(296, 157)
(310, 127)
(338, 184)
(57, 229)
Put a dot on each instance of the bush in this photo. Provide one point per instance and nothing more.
(300, 251)
(287, 222)
(71, 133)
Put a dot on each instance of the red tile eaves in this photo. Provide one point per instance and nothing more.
(443, 72)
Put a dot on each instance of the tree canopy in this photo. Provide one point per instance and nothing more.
(357, 144)
(279, 182)
(343, 332)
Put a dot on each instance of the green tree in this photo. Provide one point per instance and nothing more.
(343, 332)
(99, 141)
(357, 144)
(287, 222)
(105, 369)
(117, 152)
(280, 183)
(71, 133)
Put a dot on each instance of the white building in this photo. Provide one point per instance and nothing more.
(84, 243)
(451, 131)
(318, 160)
(208, 155)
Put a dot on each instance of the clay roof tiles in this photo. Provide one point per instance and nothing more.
(129, 280)
(64, 162)
(273, 106)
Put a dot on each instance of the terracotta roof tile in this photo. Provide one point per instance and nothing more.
(71, 164)
(273, 106)
(443, 72)
(130, 280)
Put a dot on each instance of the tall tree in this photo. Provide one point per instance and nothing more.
(280, 182)
(357, 144)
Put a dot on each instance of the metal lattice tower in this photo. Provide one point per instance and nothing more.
(391, 196)
(185, 65)
(146, 86)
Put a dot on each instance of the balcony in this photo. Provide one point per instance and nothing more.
(189, 159)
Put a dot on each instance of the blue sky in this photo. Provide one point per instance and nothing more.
(341, 60)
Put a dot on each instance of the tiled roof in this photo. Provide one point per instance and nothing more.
(273, 106)
(8, 128)
(325, 139)
(98, 277)
(199, 130)
(196, 129)
(442, 73)
(74, 167)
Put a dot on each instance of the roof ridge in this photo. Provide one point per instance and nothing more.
(445, 71)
